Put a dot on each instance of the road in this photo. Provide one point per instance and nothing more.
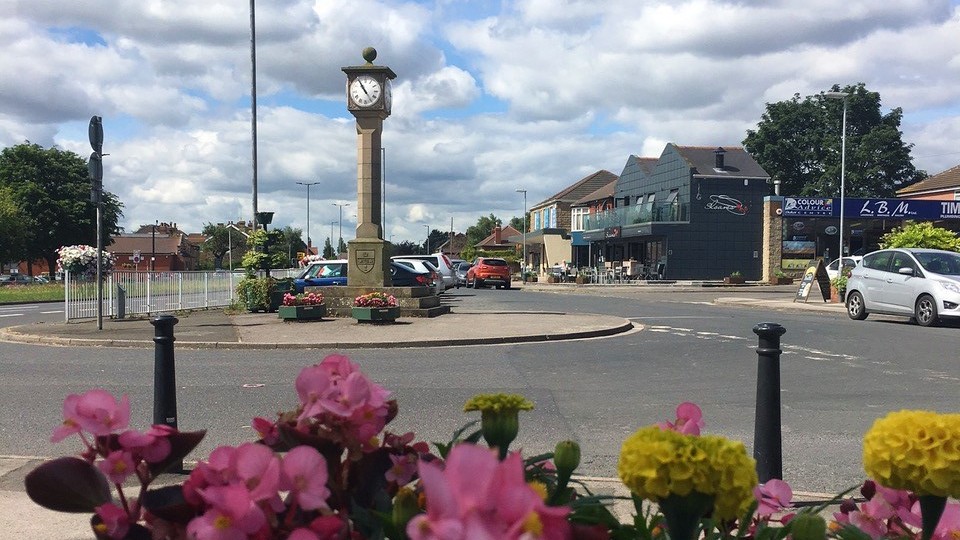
(838, 376)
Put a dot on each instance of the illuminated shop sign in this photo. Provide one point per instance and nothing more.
(870, 208)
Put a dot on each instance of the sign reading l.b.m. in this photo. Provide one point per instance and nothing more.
(871, 208)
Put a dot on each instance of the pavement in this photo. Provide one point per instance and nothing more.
(217, 329)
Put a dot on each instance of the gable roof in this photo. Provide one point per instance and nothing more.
(736, 161)
(128, 243)
(505, 232)
(646, 164)
(605, 192)
(948, 180)
(580, 188)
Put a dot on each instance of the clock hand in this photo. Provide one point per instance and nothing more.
(364, 88)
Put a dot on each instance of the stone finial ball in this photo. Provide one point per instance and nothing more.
(369, 54)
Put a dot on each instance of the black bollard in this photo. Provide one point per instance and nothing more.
(767, 441)
(164, 372)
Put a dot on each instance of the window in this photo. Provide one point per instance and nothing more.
(651, 197)
(536, 221)
(902, 260)
(673, 195)
(577, 215)
(878, 261)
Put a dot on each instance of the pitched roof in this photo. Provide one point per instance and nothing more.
(736, 161)
(580, 188)
(947, 180)
(128, 243)
(647, 164)
(604, 192)
(505, 232)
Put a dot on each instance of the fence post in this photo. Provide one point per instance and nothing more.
(767, 440)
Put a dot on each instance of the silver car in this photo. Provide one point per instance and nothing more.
(920, 283)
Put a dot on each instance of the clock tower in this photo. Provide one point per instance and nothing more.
(369, 100)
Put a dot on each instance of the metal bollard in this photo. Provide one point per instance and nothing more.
(164, 372)
(767, 440)
(121, 302)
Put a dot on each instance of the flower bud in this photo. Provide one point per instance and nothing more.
(808, 526)
(500, 428)
(566, 457)
(404, 508)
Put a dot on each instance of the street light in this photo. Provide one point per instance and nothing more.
(843, 158)
(524, 221)
(427, 244)
(341, 205)
(308, 184)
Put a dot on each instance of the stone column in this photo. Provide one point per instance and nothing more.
(368, 266)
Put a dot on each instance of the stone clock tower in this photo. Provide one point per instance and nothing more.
(369, 100)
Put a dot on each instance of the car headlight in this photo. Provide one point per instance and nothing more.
(951, 286)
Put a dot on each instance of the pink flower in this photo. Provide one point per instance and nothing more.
(402, 470)
(117, 466)
(872, 517)
(259, 469)
(232, 515)
(949, 526)
(95, 411)
(774, 496)
(303, 534)
(267, 430)
(350, 394)
(304, 475)
(313, 384)
(154, 445)
(689, 420)
(116, 523)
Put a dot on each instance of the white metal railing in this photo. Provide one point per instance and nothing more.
(154, 292)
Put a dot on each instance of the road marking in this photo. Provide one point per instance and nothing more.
(49, 312)
(17, 307)
(12, 315)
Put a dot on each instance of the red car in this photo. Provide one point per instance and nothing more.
(489, 270)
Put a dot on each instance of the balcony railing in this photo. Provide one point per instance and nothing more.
(641, 213)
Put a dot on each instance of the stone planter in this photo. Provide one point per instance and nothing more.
(375, 314)
(302, 313)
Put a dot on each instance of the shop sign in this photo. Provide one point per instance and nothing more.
(807, 206)
(727, 203)
(611, 232)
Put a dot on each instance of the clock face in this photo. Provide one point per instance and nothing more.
(365, 91)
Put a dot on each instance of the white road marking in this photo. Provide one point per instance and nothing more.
(49, 312)
(12, 315)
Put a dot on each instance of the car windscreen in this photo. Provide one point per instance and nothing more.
(946, 264)
(494, 262)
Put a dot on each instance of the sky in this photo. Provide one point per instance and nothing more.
(491, 96)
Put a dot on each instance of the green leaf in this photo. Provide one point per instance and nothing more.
(68, 484)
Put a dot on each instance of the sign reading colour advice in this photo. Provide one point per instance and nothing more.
(871, 208)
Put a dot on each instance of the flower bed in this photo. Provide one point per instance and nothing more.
(329, 469)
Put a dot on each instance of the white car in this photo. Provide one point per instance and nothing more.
(849, 262)
(442, 264)
(424, 266)
(920, 283)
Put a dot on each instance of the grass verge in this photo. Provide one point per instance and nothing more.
(18, 294)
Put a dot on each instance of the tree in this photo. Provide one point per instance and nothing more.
(406, 248)
(341, 247)
(293, 242)
(328, 250)
(434, 240)
(12, 234)
(921, 235)
(53, 187)
(799, 142)
(518, 223)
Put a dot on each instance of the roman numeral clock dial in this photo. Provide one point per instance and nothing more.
(365, 91)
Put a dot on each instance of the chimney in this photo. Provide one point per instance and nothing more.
(718, 154)
(497, 231)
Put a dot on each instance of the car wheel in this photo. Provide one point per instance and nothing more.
(925, 311)
(507, 286)
(855, 306)
(477, 283)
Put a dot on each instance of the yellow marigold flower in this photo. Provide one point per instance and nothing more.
(497, 403)
(655, 464)
(915, 450)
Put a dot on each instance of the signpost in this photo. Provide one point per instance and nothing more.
(95, 168)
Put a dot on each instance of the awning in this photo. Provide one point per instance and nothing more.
(536, 237)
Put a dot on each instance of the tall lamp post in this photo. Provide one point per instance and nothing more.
(341, 205)
(427, 244)
(523, 270)
(843, 160)
(308, 184)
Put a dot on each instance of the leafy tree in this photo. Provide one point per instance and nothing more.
(267, 250)
(482, 229)
(434, 240)
(54, 186)
(220, 240)
(341, 247)
(12, 234)
(921, 235)
(406, 248)
(799, 142)
(293, 242)
(518, 223)
(328, 249)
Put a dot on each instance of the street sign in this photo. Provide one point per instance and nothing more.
(136, 257)
(95, 167)
(95, 133)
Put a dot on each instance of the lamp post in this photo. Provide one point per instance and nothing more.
(843, 160)
(523, 273)
(427, 244)
(308, 184)
(341, 205)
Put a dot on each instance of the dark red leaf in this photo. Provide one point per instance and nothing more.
(67, 484)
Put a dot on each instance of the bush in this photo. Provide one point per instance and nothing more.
(921, 235)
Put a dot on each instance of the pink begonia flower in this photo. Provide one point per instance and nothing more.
(115, 520)
(95, 411)
(303, 534)
(329, 527)
(259, 469)
(351, 394)
(312, 384)
(117, 466)
(268, 430)
(338, 366)
(402, 469)
(901, 501)
(774, 496)
(477, 497)
(154, 445)
(304, 475)
(232, 515)
(872, 517)
(689, 420)
(949, 526)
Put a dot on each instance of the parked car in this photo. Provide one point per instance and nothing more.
(439, 260)
(487, 270)
(920, 283)
(436, 281)
(848, 264)
(460, 271)
(334, 273)
(15, 279)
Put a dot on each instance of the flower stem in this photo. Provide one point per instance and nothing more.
(931, 508)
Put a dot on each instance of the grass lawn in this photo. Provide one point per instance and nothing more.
(35, 292)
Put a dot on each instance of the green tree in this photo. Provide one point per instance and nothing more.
(292, 243)
(921, 235)
(798, 141)
(406, 248)
(220, 240)
(341, 246)
(54, 186)
(435, 239)
(12, 234)
(518, 223)
(328, 249)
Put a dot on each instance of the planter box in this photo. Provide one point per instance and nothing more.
(302, 313)
(734, 280)
(375, 314)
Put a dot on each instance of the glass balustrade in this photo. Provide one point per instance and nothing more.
(633, 215)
